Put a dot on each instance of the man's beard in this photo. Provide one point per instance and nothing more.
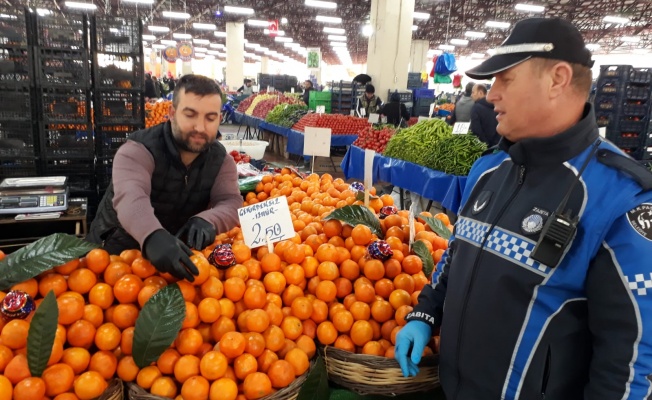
(186, 144)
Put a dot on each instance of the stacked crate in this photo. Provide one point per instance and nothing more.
(414, 80)
(406, 98)
(320, 99)
(63, 91)
(18, 149)
(344, 97)
(623, 106)
(118, 87)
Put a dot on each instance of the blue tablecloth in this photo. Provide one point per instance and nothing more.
(279, 130)
(247, 120)
(238, 117)
(434, 185)
(295, 141)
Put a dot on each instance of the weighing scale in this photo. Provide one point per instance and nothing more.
(33, 195)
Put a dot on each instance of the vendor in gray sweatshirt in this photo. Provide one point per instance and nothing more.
(463, 106)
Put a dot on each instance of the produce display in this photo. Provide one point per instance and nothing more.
(282, 113)
(413, 121)
(447, 107)
(374, 137)
(339, 124)
(156, 113)
(259, 105)
(413, 144)
(455, 154)
(240, 157)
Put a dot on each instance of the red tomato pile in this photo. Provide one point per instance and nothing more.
(413, 121)
(339, 124)
(240, 157)
(373, 139)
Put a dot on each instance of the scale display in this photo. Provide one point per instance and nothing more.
(33, 195)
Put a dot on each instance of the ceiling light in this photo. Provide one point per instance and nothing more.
(630, 39)
(201, 41)
(149, 37)
(199, 25)
(169, 42)
(292, 45)
(158, 46)
(616, 20)
(337, 38)
(209, 57)
(367, 30)
(337, 31)
(154, 28)
(459, 42)
(414, 27)
(81, 6)
(176, 15)
(252, 45)
(182, 35)
(283, 39)
(446, 47)
(434, 52)
(200, 55)
(497, 24)
(420, 15)
(238, 10)
(474, 34)
(216, 45)
(139, 1)
(43, 12)
(641, 51)
(201, 49)
(257, 22)
(278, 33)
(219, 34)
(338, 44)
(213, 52)
(529, 8)
(284, 20)
(320, 4)
(334, 20)
(112, 30)
(477, 55)
(593, 46)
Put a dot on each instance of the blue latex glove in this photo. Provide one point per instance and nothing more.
(412, 339)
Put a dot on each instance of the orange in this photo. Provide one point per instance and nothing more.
(97, 260)
(155, 280)
(270, 262)
(265, 360)
(232, 344)
(107, 336)
(274, 282)
(114, 271)
(360, 311)
(326, 252)
(164, 387)
(364, 292)
(234, 289)
(349, 269)
(127, 369)
(58, 379)
(328, 270)
(223, 325)
(146, 293)
(384, 288)
(405, 282)
(294, 254)
(209, 310)
(382, 311)
(275, 313)
(412, 264)
(256, 385)
(30, 389)
(203, 267)
(344, 342)
(401, 313)
(292, 327)
(188, 341)
(343, 321)
(147, 376)
(17, 369)
(374, 269)
(307, 344)
(294, 274)
(89, 385)
(93, 314)
(326, 333)
(244, 365)
(212, 287)
(373, 348)
(299, 361)
(192, 316)
(82, 280)
(101, 294)
(185, 367)
(255, 297)
(326, 291)
(332, 228)
(125, 315)
(67, 268)
(104, 362)
(361, 235)
(195, 388)
(399, 297)
(167, 360)
(281, 374)
(142, 268)
(274, 338)
(253, 268)
(30, 287)
(130, 255)
(127, 288)
(302, 308)
(14, 334)
(54, 282)
(255, 343)
(257, 321)
(361, 332)
(5, 356)
(223, 389)
(319, 311)
(81, 334)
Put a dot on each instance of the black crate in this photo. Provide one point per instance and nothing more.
(17, 139)
(16, 105)
(13, 27)
(608, 103)
(615, 71)
(17, 167)
(65, 106)
(117, 35)
(635, 92)
(66, 140)
(69, 68)
(636, 108)
(80, 172)
(119, 71)
(611, 86)
(641, 75)
(15, 67)
(406, 97)
(58, 32)
(119, 107)
(108, 138)
(606, 118)
(103, 172)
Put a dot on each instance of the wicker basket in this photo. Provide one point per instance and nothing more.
(115, 391)
(288, 393)
(366, 374)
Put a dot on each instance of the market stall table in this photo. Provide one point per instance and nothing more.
(277, 132)
(295, 141)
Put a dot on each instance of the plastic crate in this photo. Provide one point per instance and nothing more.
(611, 86)
(13, 27)
(58, 32)
(119, 107)
(405, 96)
(641, 75)
(326, 103)
(17, 139)
(117, 35)
(103, 172)
(15, 67)
(80, 172)
(13, 167)
(16, 105)
(607, 103)
(628, 140)
(320, 96)
(65, 106)
(605, 118)
(634, 92)
(108, 138)
(636, 108)
(424, 102)
(68, 68)
(66, 141)
(616, 71)
(119, 72)
(424, 93)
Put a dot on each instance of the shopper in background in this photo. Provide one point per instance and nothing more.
(462, 112)
(395, 111)
(528, 307)
(150, 91)
(157, 87)
(172, 179)
(246, 89)
(369, 101)
(483, 117)
(307, 87)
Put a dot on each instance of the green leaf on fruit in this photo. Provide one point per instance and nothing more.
(41, 334)
(158, 324)
(41, 256)
(316, 385)
(357, 215)
(423, 253)
(437, 226)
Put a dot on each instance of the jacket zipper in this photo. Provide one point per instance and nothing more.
(521, 179)
(546, 374)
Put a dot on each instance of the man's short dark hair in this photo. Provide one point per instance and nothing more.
(247, 81)
(369, 88)
(308, 81)
(197, 84)
(469, 88)
(481, 88)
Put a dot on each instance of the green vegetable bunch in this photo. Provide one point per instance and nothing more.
(281, 114)
(414, 143)
(455, 154)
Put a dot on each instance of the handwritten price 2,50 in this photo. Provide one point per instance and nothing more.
(272, 232)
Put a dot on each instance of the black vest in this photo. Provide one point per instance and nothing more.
(177, 193)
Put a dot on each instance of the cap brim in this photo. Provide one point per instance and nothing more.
(496, 64)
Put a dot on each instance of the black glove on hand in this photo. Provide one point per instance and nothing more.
(199, 233)
(169, 254)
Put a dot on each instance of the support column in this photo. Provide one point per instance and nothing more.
(186, 68)
(388, 56)
(234, 54)
(264, 65)
(419, 55)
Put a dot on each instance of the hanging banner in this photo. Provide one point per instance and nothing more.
(170, 54)
(186, 51)
(313, 59)
(273, 27)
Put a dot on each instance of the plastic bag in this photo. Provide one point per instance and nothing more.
(443, 78)
(434, 64)
(249, 184)
(445, 64)
(457, 81)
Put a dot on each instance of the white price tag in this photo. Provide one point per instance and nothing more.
(423, 119)
(268, 219)
(368, 173)
(602, 131)
(353, 113)
(317, 142)
(321, 109)
(374, 118)
(411, 224)
(432, 109)
(363, 112)
(270, 89)
(461, 128)
(292, 90)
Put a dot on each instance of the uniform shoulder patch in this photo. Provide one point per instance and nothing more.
(640, 218)
(631, 167)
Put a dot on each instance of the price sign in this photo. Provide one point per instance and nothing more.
(292, 90)
(423, 119)
(320, 109)
(431, 110)
(368, 173)
(268, 220)
(602, 131)
(363, 112)
(317, 142)
(374, 118)
(353, 113)
(461, 128)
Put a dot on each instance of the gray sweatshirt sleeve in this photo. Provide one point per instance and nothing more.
(133, 167)
(225, 199)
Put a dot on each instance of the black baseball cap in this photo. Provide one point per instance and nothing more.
(552, 38)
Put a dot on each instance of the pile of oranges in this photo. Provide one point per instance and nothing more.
(157, 112)
(249, 330)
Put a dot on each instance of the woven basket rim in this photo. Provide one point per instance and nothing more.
(115, 391)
